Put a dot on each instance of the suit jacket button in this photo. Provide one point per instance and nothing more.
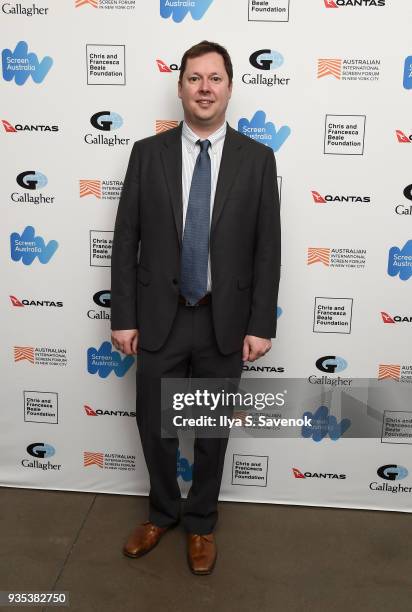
(174, 281)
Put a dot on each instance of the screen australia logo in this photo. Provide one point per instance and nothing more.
(324, 425)
(178, 9)
(264, 131)
(400, 261)
(20, 65)
(102, 361)
(27, 246)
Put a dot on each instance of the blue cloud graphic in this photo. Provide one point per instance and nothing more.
(178, 9)
(102, 361)
(407, 73)
(262, 131)
(28, 246)
(184, 469)
(400, 261)
(20, 64)
(324, 424)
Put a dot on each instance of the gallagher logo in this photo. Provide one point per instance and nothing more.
(27, 246)
(320, 199)
(22, 303)
(41, 450)
(101, 298)
(387, 318)
(31, 179)
(178, 9)
(265, 59)
(392, 472)
(324, 424)
(262, 131)
(338, 3)
(20, 127)
(400, 261)
(20, 64)
(402, 137)
(102, 361)
(401, 209)
(106, 121)
(163, 67)
(298, 474)
(331, 364)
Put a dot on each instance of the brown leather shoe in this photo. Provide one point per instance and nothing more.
(145, 537)
(201, 553)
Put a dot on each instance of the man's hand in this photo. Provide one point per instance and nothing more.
(126, 340)
(254, 347)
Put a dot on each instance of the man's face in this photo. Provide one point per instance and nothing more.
(205, 90)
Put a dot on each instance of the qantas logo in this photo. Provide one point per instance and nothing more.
(338, 3)
(320, 199)
(163, 67)
(387, 318)
(89, 411)
(402, 137)
(19, 127)
(324, 475)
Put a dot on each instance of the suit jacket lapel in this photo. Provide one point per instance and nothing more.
(171, 154)
(229, 166)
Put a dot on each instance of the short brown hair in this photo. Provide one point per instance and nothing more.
(205, 46)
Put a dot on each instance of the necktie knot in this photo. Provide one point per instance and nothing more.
(204, 145)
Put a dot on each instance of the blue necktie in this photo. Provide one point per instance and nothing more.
(195, 244)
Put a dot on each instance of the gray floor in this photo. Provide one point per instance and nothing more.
(284, 558)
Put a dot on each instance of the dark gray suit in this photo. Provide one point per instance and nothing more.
(245, 270)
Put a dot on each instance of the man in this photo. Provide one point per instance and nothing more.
(195, 274)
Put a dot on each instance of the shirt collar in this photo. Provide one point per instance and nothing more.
(190, 138)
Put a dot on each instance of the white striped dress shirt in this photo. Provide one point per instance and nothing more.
(190, 152)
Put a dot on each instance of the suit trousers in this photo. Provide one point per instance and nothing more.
(190, 350)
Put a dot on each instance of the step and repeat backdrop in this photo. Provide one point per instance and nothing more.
(327, 84)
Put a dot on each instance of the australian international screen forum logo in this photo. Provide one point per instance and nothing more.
(20, 64)
(345, 69)
(100, 189)
(43, 356)
(121, 5)
(337, 258)
(109, 461)
(396, 372)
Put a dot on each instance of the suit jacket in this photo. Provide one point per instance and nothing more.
(244, 242)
